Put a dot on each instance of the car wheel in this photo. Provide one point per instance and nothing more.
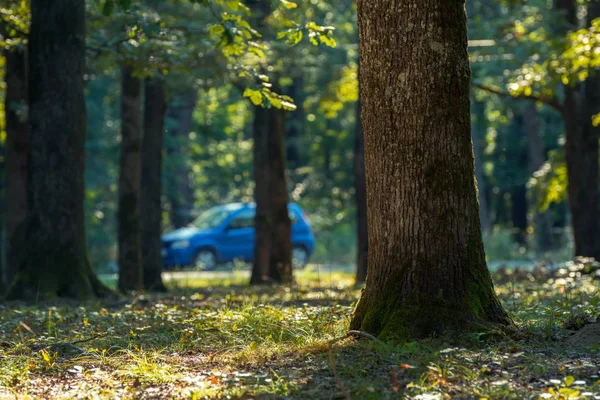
(205, 259)
(299, 257)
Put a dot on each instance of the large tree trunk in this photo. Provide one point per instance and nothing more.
(55, 261)
(179, 189)
(17, 146)
(478, 130)
(542, 222)
(581, 150)
(150, 204)
(362, 245)
(272, 248)
(129, 225)
(427, 269)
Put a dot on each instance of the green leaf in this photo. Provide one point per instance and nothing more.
(289, 4)
(569, 380)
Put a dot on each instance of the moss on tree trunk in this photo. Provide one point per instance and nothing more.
(427, 269)
(54, 260)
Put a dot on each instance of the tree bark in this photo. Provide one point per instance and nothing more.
(362, 245)
(272, 248)
(129, 225)
(542, 222)
(295, 124)
(17, 146)
(180, 191)
(477, 131)
(581, 149)
(54, 253)
(150, 204)
(427, 269)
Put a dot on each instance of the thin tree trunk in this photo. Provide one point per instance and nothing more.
(541, 220)
(180, 191)
(478, 129)
(55, 261)
(581, 150)
(362, 245)
(17, 147)
(150, 204)
(272, 249)
(129, 225)
(427, 269)
(295, 124)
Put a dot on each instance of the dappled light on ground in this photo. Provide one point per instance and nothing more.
(240, 342)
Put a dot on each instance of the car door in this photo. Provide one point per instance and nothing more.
(237, 241)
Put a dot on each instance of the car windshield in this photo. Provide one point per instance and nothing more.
(213, 217)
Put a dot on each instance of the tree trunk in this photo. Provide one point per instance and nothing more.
(542, 222)
(129, 226)
(581, 150)
(518, 213)
(362, 245)
(272, 248)
(295, 124)
(17, 146)
(179, 188)
(150, 204)
(427, 269)
(55, 261)
(478, 130)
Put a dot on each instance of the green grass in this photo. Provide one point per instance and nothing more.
(214, 339)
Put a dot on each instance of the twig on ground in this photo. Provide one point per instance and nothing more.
(90, 338)
(365, 335)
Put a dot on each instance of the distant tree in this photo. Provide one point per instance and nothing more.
(427, 269)
(16, 152)
(54, 259)
(129, 225)
(581, 145)
(362, 244)
(150, 196)
(273, 247)
(180, 193)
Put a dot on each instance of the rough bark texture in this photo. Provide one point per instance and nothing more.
(17, 147)
(179, 188)
(542, 222)
(427, 270)
(272, 248)
(129, 225)
(478, 130)
(581, 149)
(362, 244)
(55, 261)
(150, 204)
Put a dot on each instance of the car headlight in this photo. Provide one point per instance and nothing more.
(181, 244)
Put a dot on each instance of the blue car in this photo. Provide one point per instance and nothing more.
(226, 233)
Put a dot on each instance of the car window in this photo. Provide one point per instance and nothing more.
(211, 219)
(244, 219)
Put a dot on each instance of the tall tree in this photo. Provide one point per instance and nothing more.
(17, 146)
(581, 147)
(427, 269)
(129, 225)
(180, 115)
(54, 254)
(150, 204)
(272, 248)
(362, 244)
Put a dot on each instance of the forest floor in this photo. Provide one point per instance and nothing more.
(222, 339)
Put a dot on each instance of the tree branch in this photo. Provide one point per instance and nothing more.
(558, 106)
